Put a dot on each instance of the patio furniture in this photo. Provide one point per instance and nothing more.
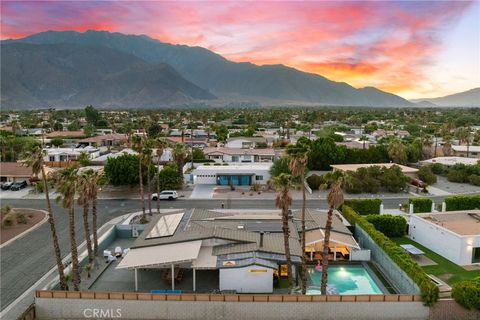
(125, 251)
(106, 253)
(118, 252)
(414, 251)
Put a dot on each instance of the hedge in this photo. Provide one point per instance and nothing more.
(462, 202)
(428, 290)
(467, 293)
(365, 206)
(421, 204)
(389, 225)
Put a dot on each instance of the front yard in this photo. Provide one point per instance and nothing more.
(444, 269)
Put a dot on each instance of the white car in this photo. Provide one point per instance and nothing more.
(165, 195)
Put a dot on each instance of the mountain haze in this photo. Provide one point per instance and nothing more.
(470, 98)
(224, 78)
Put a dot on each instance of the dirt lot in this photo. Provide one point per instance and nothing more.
(33, 217)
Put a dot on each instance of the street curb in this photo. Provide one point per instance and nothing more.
(24, 233)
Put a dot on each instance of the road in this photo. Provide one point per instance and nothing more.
(26, 260)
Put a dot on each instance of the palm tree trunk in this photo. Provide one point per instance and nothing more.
(73, 247)
(4, 153)
(286, 237)
(326, 242)
(304, 264)
(158, 185)
(53, 231)
(149, 190)
(468, 148)
(86, 227)
(94, 223)
(141, 187)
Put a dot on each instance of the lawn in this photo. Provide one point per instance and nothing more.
(445, 269)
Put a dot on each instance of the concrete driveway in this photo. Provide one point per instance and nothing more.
(203, 191)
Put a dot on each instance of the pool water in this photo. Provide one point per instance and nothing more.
(346, 279)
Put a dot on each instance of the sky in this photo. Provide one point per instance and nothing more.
(415, 49)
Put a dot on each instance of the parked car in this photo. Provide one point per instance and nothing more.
(165, 195)
(18, 185)
(418, 183)
(6, 185)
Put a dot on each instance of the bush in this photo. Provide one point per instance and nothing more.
(123, 170)
(314, 181)
(474, 179)
(20, 217)
(389, 225)
(439, 168)
(428, 290)
(457, 176)
(462, 202)
(364, 206)
(393, 179)
(421, 204)
(9, 220)
(426, 174)
(467, 293)
(170, 179)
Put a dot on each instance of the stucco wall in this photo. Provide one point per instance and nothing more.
(251, 279)
(194, 310)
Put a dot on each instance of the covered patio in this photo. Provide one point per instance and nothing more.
(340, 245)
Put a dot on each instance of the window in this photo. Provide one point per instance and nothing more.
(476, 255)
(258, 178)
(51, 158)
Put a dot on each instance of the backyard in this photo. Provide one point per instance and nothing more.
(444, 269)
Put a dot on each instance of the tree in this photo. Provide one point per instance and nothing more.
(298, 158)
(179, 154)
(67, 180)
(160, 143)
(335, 200)
(154, 130)
(280, 166)
(139, 147)
(427, 146)
(463, 135)
(397, 151)
(283, 201)
(169, 178)
(92, 115)
(57, 142)
(324, 153)
(393, 179)
(83, 200)
(95, 178)
(84, 158)
(447, 146)
(198, 154)
(57, 126)
(34, 160)
(147, 161)
(123, 170)
(89, 130)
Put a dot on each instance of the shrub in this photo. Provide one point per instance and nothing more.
(467, 293)
(255, 187)
(9, 220)
(421, 204)
(457, 176)
(426, 174)
(439, 168)
(314, 181)
(462, 202)
(389, 225)
(364, 206)
(393, 179)
(429, 291)
(474, 179)
(170, 179)
(20, 217)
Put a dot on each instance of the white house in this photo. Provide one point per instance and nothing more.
(455, 235)
(237, 175)
(463, 151)
(69, 154)
(245, 142)
(239, 154)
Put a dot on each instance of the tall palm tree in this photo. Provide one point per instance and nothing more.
(447, 146)
(34, 160)
(298, 159)
(335, 200)
(179, 154)
(397, 151)
(95, 179)
(463, 135)
(283, 201)
(138, 146)
(84, 201)
(67, 180)
(3, 143)
(160, 143)
(147, 161)
(427, 146)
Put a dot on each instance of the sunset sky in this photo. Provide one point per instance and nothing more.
(411, 48)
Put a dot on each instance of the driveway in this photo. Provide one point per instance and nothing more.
(203, 191)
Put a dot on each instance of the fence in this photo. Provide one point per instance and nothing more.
(91, 295)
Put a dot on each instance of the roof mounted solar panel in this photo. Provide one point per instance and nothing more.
(165, 226)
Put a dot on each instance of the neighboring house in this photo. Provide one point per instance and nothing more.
(102, 160)
(199, 143)
(65, 134)
(238, 174)
(14, 171)
(411, 172)
(354, 144)
(450, 161)
(104, 140)
(243, 250)
(455, 235)
(246, 142)
(239, 154)
(461, 151)
(57, 157)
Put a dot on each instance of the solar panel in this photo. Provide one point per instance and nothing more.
(165, 226)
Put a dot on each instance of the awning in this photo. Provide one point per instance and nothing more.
(161, 255)
(205, 259)
(314, 236)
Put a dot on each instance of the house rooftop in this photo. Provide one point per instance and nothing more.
(460, 222)
(355, 167)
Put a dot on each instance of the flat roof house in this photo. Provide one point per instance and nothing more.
(104, 140)
(240, 155)
(454, 235)
(237, 175)
(245, 142)
(461, 151)
(411, 172)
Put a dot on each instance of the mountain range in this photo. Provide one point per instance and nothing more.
(71, 69)
(470, 98)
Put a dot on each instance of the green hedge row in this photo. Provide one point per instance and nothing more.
(428, 289)
(462, 202)
(365, 206)
(467, 293)
(421, 204)
(389, 225)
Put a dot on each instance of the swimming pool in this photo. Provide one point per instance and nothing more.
(343, 280)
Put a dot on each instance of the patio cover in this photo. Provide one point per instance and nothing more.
(314, 236)
(161, 255)
(205, 259)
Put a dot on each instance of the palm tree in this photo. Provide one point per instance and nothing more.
(283, 201)
(397, 151)
(67, 180)
(179, 154)
(364, 139)
(447, 146)
(160, 144)
(3, 143)
(463, 135)
(335, 200)
(147, 161)
(138, 146)
(427, 146)
(95, 179)
(298, 165)
(83, 200)
(34, 160)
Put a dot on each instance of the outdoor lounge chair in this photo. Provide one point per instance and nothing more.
(106, 253)
(118, 252)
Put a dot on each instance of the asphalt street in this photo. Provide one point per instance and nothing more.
(27, 259)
